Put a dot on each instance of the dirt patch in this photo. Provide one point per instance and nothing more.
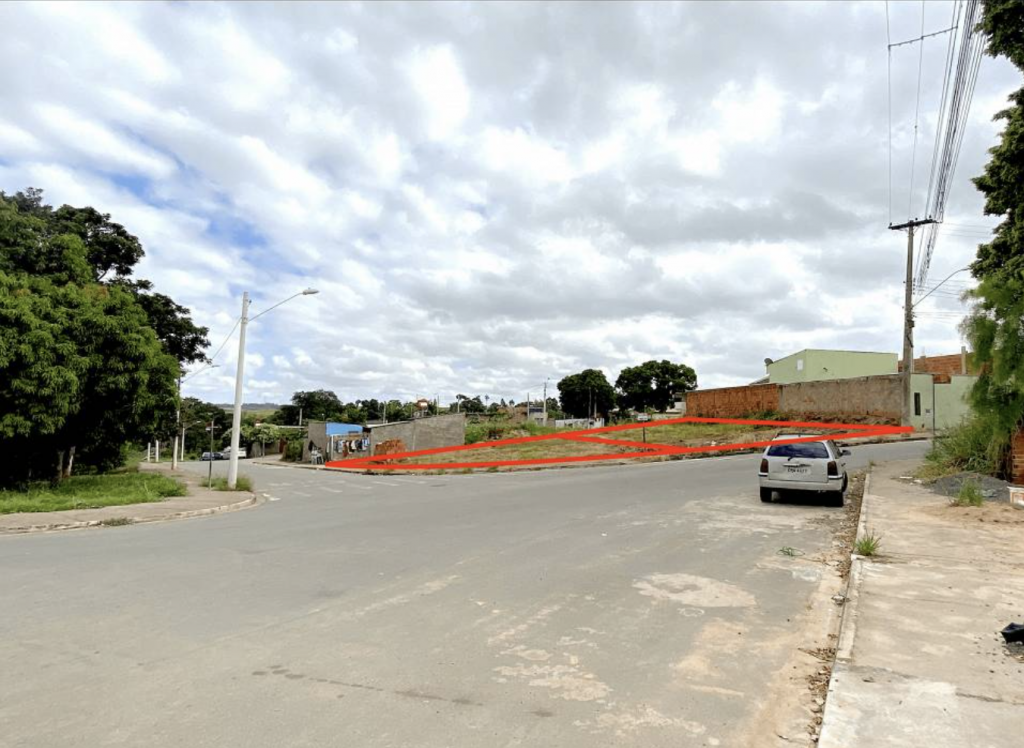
(996, 513)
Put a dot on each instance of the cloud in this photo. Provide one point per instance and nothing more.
(494, 195)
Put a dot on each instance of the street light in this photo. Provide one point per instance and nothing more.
(236, 418)
(936, 288)
(177, 416)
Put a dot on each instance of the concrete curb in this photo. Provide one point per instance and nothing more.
(847, 623)
(253, 500)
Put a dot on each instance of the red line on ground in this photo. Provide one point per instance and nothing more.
(652, 449)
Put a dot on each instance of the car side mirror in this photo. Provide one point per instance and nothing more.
(844, 453)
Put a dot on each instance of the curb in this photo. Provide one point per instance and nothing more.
(253, 500)
(847, 624)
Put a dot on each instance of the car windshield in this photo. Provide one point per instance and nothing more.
(805, 450)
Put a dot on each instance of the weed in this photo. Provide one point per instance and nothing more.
(969, 495)
(788, 551)
(242, 483)
(492, 469)
(868, 545)
(117, 521)
(976, 445)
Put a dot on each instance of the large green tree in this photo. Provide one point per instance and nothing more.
(996, 326)
(88, 357)
(653, 383)
(315, 405)
(586, 393)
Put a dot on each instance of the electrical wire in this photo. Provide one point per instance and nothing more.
(917, 112)
(209, 364)
(888, 49)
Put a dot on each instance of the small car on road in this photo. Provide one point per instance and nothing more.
(209, 456)
(816, 466)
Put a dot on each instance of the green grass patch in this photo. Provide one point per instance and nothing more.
(968, 495)
(868, 545)
(92, 491)
(242, 483)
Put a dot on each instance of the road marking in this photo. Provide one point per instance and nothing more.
(301, 493)
(385, 483)
(333, 490)
(409, 480)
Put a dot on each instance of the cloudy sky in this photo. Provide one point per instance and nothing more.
(488, 195)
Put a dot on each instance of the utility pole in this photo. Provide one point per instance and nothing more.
(545, 402)
(908, 315)
(236, 416)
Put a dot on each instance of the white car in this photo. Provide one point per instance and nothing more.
(227, 453)
(804, 466)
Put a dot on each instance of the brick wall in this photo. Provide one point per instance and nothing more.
(951, 365)
(1017, 459)
(423, 433)
(732, 402)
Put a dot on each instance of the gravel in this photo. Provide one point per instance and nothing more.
(992, 489)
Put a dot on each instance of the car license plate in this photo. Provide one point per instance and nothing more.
(797, 470)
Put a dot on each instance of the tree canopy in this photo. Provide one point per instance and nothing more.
(586, 393)
(653, 383)
(996, 326)
(88, 357)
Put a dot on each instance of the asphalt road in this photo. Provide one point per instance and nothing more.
(617, 605)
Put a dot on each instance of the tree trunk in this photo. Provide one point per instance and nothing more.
(57, 476)
(71, 461)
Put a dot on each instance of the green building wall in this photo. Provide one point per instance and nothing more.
(814, 365)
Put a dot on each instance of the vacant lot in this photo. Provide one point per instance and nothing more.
(91, 491)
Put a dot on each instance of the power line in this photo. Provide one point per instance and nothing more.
(888, 49)
(917, 112)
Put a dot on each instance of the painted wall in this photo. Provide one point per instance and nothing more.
(816, 365)
(951, 405)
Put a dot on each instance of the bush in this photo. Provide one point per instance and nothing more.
(977, 445)
(293, 451)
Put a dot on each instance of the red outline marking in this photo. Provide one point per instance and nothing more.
(652, 449)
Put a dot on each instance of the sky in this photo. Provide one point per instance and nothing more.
(491, 196)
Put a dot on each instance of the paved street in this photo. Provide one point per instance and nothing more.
(640, 605)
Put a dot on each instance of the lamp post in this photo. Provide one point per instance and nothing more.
(236, 418)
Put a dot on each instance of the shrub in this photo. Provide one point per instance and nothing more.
(977, 445)
(242, 483)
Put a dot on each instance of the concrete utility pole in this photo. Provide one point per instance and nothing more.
(908, 315)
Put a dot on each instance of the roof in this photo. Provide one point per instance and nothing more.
(337, 429)
(830, 350)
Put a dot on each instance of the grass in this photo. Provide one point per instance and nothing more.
(975, 446)
(868, 545)
(92, 491)
(242, 483)
(969, 495)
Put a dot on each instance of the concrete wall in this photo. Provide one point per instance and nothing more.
(317, 433)
(862, 398)
(815, 365)
(423, 433)
(732, 402)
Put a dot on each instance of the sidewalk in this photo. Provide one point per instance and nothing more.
(200, 501)
(920, 660)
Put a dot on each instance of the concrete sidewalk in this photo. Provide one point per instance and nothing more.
(920, 660)
(200, 501)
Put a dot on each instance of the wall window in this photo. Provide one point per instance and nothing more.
(799, 364)
(917, 403)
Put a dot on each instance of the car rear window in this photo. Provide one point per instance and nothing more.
(806, 450)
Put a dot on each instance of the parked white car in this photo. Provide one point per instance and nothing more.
(805, 466)
(227, 453)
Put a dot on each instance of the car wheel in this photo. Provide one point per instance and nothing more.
(766, 494)
(834, 499)
(846, 483)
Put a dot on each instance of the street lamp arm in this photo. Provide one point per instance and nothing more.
(936, 288)
(307, 292)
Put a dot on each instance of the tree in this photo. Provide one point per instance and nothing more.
(586, 393)
(653, 383)
(316, 405)
(86, 364)
(995, 328)
(82, 245)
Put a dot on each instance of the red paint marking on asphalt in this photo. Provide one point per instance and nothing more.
(644, 449)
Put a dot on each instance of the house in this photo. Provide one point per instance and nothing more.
(818, 364)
